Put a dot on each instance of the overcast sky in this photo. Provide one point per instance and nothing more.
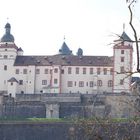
(39, 26)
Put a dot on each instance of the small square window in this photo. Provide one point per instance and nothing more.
(55, 81)
(20, 82)
(44, 82)
(46, 71)
(56, 70)
(37, 71)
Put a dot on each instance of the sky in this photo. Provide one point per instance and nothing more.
(39, 26)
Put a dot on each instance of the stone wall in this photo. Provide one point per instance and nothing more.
(68, 105)
(67, 131)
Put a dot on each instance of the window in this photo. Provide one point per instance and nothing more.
(122, 51)
(69, 84)
(98, 71)
(55, 81)
(81, 83)
(11, 83)
(17, 71)
(84, 70)
(91, 70)
(111, 71)
(46, 71)
(77, 70)
(44, 82)
(5, 56)
(99, 83)
(105, 71)
(5, 67)
(62, 71)
(91, 83)
(75, 83)
(69, 70)
(87, 84)
(55, 70)
(110, 83)
(121, 82)
(24, 71)
(20, 82)
(37, 71)
(122, 69)
(122, 59)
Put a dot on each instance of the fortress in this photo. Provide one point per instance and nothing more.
(55, 84)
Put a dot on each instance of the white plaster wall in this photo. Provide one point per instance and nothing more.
(127, 66)
(9, 61)
(86, 78)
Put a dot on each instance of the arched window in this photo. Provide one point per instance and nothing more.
(110, 83)
(99, 83)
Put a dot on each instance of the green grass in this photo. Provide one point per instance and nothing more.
(72, 120)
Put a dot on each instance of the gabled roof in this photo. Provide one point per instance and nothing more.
(13, 79)
(64, 60)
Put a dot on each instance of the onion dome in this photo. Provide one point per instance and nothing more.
(7, 37)
(80, 52)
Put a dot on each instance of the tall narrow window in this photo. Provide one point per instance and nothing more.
(111, 71)
(122, 59)
(98, 71)
(122, 51)
(84, 70)
(122, 69)
(69, 70)
(121, 82)
(5, 67)
(46, 71)
(77, 70)
(105, 71)
(91, 71)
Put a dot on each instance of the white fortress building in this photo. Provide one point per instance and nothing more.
(64, 72)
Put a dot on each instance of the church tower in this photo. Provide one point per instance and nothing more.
(122, 64)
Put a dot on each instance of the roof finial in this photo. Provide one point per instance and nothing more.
(123, 27)
(64, 38)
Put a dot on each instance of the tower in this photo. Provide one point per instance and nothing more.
(122, 64)
(8, 54)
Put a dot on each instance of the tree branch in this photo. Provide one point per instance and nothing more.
(135, 33)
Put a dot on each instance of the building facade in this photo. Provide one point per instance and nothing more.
(64, 72)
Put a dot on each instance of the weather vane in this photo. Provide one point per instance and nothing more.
(124, 27)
